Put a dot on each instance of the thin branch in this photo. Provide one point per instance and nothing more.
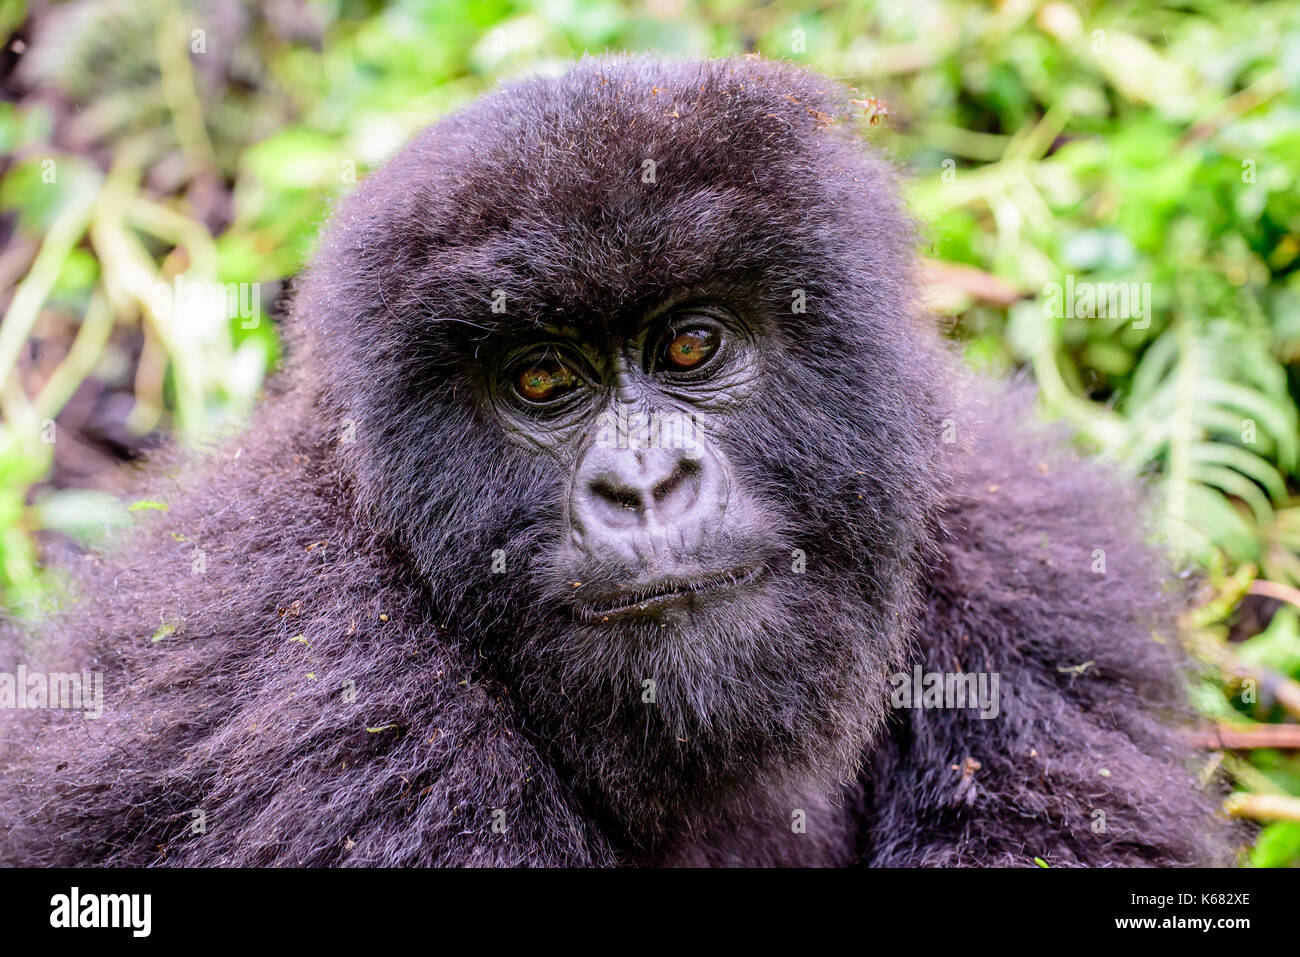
(1275, 590)
(1248, 736)
(1264, 807)
(20, 318)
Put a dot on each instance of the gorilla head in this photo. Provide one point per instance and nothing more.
(626, 364)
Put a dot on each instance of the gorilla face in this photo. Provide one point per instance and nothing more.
(661, 447)
(657, 528)
(674, 643)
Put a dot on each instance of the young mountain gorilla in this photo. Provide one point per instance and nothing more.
(613, 475)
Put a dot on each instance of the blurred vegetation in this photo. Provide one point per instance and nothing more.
(144, 141)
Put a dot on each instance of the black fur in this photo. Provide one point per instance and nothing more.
(348, 538)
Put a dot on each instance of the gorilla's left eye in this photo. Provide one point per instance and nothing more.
(690, 349)
(545, 380)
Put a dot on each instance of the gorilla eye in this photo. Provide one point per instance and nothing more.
(545, 380)
(690, 349)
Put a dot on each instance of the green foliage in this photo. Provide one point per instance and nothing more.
(1278, 845)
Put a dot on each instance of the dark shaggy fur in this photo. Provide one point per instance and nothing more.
(348, 538)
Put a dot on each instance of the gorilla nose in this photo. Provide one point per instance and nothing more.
(642, 503)
(632, 499)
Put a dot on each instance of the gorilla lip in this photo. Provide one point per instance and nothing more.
(645, 598)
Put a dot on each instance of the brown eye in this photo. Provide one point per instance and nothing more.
(689, 349)
(545, 380)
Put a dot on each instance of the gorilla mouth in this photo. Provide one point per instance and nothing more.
(645, 599)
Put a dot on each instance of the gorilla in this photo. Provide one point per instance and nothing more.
(615, 497)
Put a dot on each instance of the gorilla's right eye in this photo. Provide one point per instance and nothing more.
(691, 348)
(544, 380)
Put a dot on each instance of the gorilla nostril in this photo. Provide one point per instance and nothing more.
(677, 492)
(615, 504)
(619, 495)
